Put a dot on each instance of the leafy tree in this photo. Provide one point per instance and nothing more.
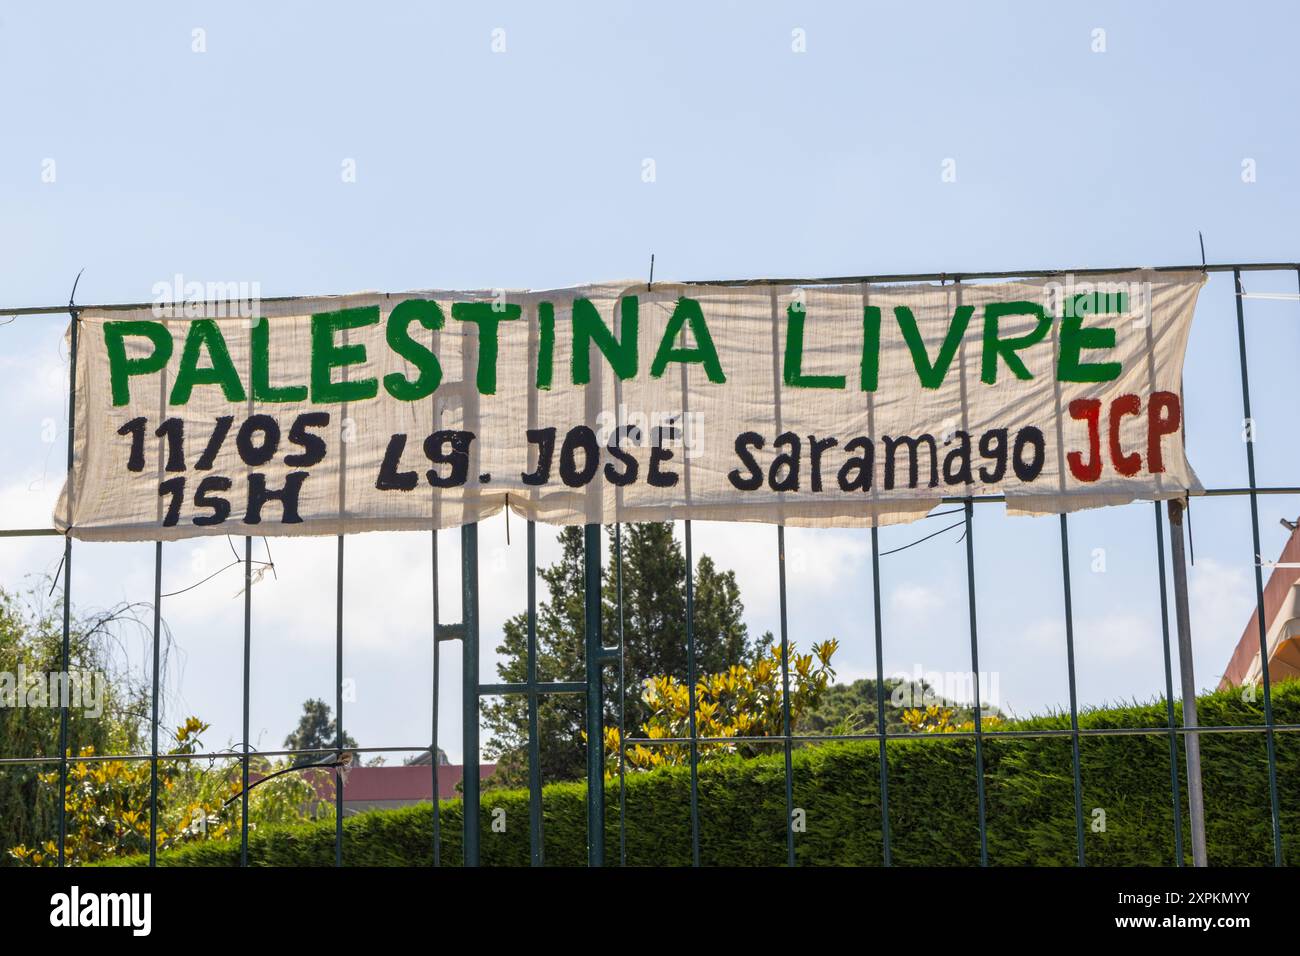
(851, 708)
(316, 730)
(107, 803)
(937, 719)
(742, 701)
(654, 632)
(654, 613)
(31, 648)
(718, 618)
(561, 636)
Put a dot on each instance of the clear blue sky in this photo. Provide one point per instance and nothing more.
(524, 168)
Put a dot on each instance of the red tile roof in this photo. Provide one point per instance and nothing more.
(406, 783)
(398, 784)
(1276, 590)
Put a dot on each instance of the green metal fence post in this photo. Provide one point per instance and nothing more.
(434, 751)
(975, 673)
(248, 653)
(470, 689)
(67, 584)
(622, 700)
(1074, 696)
(595, 703)
(692, 720)
(153, 706)
(535, 840)
(1269, 744)
(785, 699)
(338, 710)
(881, 727)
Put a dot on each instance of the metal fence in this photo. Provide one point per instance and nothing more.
(601, 657)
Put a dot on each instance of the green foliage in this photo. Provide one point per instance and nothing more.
(560, 641)
(316, 730)
(31, 642)
(742, 701)
(852, 709)
(931, 799)
(108, 802)
(654, 612)
(654, 630)
(936, 719)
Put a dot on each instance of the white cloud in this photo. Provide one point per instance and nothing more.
(817, 561)
(914, 601)
(1221, 599)
(1117, 637)
(820, 562)
(29, 504)
(23, 507)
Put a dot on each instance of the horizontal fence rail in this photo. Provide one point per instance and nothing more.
(599, 657)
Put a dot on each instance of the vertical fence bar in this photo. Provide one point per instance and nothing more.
(534, 747)
(1074, 698)
(595, 700)
(785, 699)
(338, 710)
(1259, 579)
(67, 589)
(622, 699)
(437, 654)
(63, 709)
(153, 705)
(690, 678)
(248, 649)
(880, 696)
(975, 674)
(1174, 789)
(469, 689)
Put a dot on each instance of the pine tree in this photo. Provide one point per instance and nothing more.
(654, 633)
(654, 614)
(561, 644)
(317, 731)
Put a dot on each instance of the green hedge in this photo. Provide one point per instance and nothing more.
(932, 804)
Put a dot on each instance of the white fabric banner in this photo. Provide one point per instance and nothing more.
(822, 405)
